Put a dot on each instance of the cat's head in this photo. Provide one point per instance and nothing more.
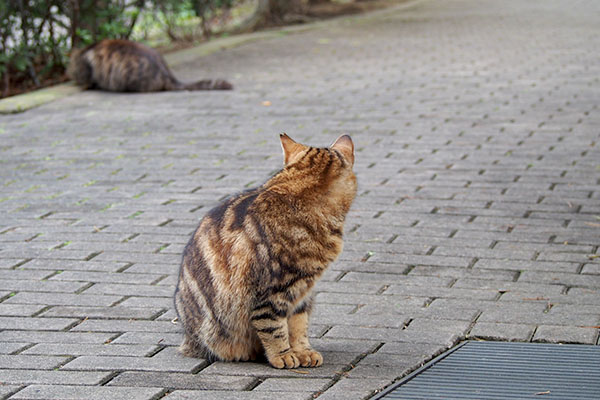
(327, 170)
(294, 151)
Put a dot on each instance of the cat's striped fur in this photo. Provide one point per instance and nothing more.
(119, 65)
(248, 271)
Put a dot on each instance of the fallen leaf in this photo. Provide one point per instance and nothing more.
(300, 371)
(592, 256)
(266, 103)
(541, 393)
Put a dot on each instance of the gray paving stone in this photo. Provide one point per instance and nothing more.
(502, 331)
(229, 395)
(5, 390)
(292, 384)
(519, 265)
(395, 278)
(100, 325)
(42, 286)
(391, 335)
(348, 287)
(113, 363)
(22, 274)
(137, 290)
(75, 349)
(481, 292)
(560, 308)
(69, 265)
(174, 380)
(556, 278)
(465, 313)
(321, 310)
(566, 334)
(378, 299)
(355, 387)
(147, 302)
(327, 370)
(111, 277)
(54, 377)
(59, 299)
(390, 372)
(117, 312)
(30, 362)
(423, 260)
(381, 320)
(37, 324)
(475, 273)
(20, 310)
(11, 347)
(483, 253)
(410, 350)
(341, 395)
(55, 337)
(526, 288)
(593, 269)
(65, 392)
(166, 339)
(337, 346)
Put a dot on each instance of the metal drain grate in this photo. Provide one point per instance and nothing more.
(505, 370)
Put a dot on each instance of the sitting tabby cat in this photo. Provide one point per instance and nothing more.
(124, 66)
(247, 273)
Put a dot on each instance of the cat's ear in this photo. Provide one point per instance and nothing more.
(291, 149)
(344, 145)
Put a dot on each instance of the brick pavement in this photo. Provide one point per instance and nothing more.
(476, 125)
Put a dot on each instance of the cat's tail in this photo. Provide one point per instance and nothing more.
(209, 84)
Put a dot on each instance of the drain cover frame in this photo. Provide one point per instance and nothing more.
(511, 370)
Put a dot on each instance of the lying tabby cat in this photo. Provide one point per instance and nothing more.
(248, 271)
(124, 66)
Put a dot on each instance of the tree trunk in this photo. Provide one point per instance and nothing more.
(267, 13)
(25, 32)
(256, 20)
(74, 24)
(6, 73)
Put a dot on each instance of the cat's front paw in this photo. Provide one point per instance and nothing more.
(285, 360)
(309, 358)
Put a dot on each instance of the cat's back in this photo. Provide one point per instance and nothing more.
(121, 50)
(226, 237)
